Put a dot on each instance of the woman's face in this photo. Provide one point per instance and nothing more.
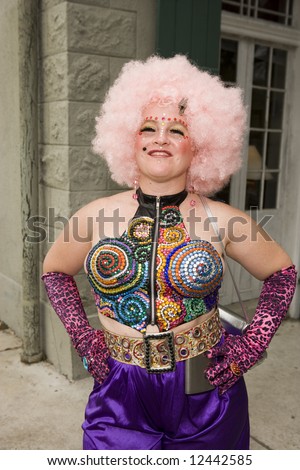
(163, 148)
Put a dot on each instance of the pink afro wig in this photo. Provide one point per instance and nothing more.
(215, 116)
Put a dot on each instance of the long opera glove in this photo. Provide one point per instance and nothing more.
(89, 343)
(238, 354)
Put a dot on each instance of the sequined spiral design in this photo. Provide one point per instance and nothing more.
(194, 308)
(142, 253)
(132, 309)
(169, 313)
(112, 267)
(172, 236)
(140, 230)
(170, 217)
(194, 269)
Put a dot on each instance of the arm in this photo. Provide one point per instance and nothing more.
(267, 261)
(68, 252)
(64, 260)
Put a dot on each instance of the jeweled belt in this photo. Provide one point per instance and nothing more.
(159, 352)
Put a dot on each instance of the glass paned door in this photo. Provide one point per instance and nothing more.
(266, 97)
(266, 127)
(261, 69)
(228, 73)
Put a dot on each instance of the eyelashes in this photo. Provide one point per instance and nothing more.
(177, 131)
(172, 130)
(147, 129)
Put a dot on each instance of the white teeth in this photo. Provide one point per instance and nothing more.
(162, 154)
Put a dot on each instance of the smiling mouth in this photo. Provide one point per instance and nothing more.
(159, 153)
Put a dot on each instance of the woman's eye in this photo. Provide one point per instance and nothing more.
(147, 129)
(177, 131)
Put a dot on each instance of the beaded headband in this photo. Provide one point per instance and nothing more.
(164, 118)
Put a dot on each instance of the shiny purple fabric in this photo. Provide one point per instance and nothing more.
(136, 410)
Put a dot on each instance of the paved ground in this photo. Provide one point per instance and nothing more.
(40, 409)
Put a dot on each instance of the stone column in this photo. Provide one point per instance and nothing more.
(28, 20)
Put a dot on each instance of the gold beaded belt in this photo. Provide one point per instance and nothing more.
(159, 352)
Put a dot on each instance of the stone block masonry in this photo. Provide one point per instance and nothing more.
(83, 46)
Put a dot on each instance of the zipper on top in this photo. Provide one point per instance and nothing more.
(153, 269)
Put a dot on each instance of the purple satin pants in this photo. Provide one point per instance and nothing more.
(136, 410)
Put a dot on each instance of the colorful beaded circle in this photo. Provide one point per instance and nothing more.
(194, 269)
(140, 230)
(131, 309)
(170, 216)
(172, 236)
(194, 308)
(112, 268)
(169, 312)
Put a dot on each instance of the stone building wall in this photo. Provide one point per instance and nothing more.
(10, 200)
(83, 45)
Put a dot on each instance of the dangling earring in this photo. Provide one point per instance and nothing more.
(192, 201)
(135, 186)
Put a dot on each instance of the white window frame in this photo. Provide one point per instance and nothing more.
(243, 29)
(237, 27)
(255, 9)
(242, 26)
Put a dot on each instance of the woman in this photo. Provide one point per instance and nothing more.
(173, 133)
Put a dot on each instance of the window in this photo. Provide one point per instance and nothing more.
(278, 11)
(228, 73)
(228, 61)
(266, 95)
(266, 124)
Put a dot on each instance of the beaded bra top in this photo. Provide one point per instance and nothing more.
(188, 273)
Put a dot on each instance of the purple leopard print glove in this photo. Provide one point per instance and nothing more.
(238, 353)
(89, 343)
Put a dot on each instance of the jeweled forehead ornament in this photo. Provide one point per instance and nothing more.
(164, 119)
(182, 106)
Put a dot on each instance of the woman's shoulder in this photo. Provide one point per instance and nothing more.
(107, 204)
(223, 210)
(229, 219)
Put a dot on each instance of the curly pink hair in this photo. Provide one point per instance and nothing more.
(215, 116)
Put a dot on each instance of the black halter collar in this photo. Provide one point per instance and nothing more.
(147, 202)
